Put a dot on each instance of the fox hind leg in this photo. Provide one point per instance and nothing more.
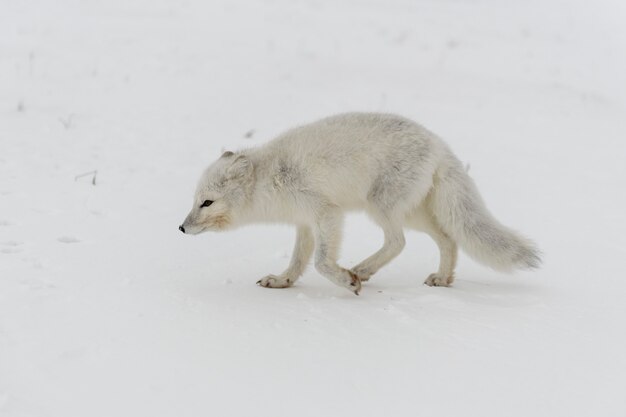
(393, 245)
(447, 261)
(388, 200)
(423, 221)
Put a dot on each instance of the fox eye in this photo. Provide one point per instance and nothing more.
(206, 203)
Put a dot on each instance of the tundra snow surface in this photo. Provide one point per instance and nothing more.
(107, 309)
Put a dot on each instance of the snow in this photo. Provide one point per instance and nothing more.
(107, 309)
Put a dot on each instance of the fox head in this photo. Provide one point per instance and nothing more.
(221, 195)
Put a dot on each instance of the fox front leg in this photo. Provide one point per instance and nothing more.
(327, 238)
(302, 252)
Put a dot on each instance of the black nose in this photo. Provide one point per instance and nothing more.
(181, 228)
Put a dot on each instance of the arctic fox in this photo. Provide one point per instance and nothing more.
(401, 174)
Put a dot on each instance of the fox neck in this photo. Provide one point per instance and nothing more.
(264, 201)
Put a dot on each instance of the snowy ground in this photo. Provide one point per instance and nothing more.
(106, 309)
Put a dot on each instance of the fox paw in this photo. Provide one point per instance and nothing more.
(354, 284)
(363, 275)
(436, 280)
(273, 281)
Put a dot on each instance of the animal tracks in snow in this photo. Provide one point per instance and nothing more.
(14, 246)
(11, 246)
(68, 239)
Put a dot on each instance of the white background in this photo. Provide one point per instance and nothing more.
(106, 309)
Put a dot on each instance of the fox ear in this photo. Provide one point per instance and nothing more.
(240, 168)
(227, 154)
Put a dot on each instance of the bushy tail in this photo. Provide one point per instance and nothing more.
(462, 214)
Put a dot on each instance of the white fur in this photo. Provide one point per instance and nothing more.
(401, 174)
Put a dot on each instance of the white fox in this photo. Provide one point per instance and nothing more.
(401, 174)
